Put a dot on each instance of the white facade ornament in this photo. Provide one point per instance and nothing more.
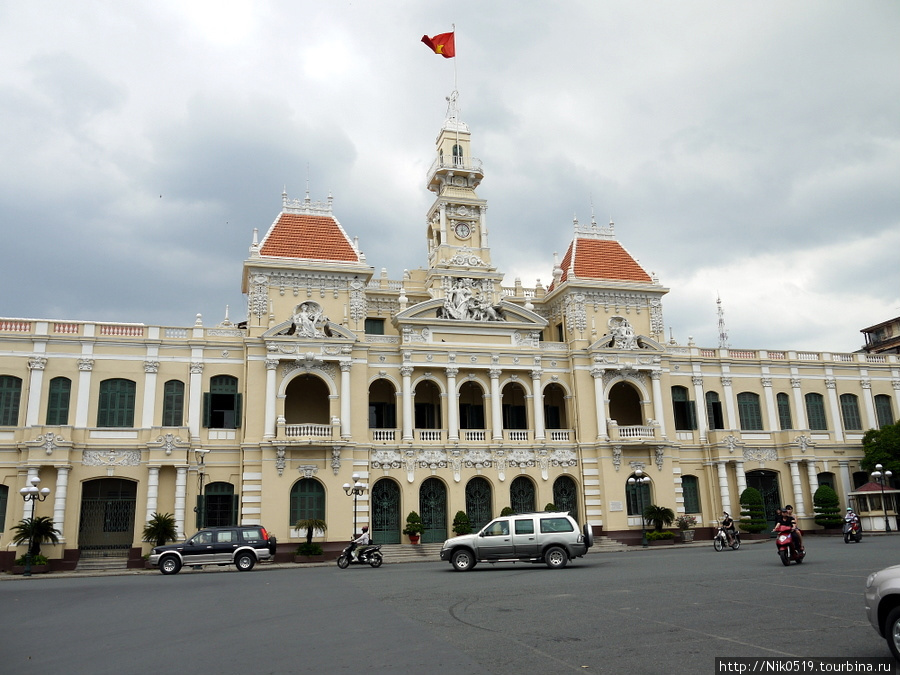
(169, 442)
(386, 459)
(432, 459)
(617, 456)
(111, 458)
(804, 442)
(308, 470)
(280, 459)
(37, 363)
(477, 459)
(470, 300)
(730, 442)
(336, 460)
(660, 456)
(760, 455)
(308, 320)
(622, 332)
(50, 442)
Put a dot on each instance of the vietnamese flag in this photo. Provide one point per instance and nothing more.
(442, 44)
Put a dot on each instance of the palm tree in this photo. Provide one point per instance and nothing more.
(160, 529)
(660, 516)
(35, 531)
(310, 524)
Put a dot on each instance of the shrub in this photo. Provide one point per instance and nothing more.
(828, 507)
(654, 535)
(309, 549)
(507, 511)
(461, 523)
(414, 526)
(35, 560)
(685, 521)
(660, 516)
(160, 529)
(753, 514)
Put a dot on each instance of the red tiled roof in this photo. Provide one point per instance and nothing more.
(602, 259)
(872, 486)
(296, 235)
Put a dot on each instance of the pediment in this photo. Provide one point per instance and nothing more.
(638, 342)
(329, 331)
(500, 315)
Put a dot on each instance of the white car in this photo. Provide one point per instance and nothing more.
(883, 605)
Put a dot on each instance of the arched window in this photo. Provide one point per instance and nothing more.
(10, 393)
(815, 412)
(565, 495)
(749, 411)
(382, 405)
(690, 486)
(307, 500)
(714, 410)
(683, 407)
(116, 408)
(457, 155)
(478, 502)
(427, 406)
(222, 403)
(513, 407)
(58, 401)
(173, 404)
(638, 496)
(471, 406)
(783, 401)
(883, 411)
(850, 412)
(218, 506)
(522, 495)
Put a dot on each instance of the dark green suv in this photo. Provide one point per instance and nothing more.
(242, 546)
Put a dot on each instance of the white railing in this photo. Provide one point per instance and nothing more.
(314, 430)
(638, 431)
(121, 330)
(383, 434)
(742, 353)
(517, 435)
(459, 163)
(475, 434)
(559, 434)
(808, 356)
(430, 434)
(16, 326)
(65, 328)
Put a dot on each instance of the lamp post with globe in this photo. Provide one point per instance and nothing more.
(31, 493)
(881, 477)
(356, 490)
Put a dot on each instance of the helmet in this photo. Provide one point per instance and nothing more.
(849, 509)
(365, 528)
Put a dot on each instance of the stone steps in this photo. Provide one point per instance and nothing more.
(103, 563)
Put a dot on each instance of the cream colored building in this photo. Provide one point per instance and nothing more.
(444, 391)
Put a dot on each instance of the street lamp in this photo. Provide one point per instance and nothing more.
(30, 493)
(200, 509)
(356, 490)
(637, 481)
(881, 477)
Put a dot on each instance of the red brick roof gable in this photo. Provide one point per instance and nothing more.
(602, 259)
(311, 237)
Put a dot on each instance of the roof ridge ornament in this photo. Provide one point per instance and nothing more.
(594, 231)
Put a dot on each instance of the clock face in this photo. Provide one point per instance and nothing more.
(462, 230)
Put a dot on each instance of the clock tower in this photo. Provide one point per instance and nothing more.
(457, 220)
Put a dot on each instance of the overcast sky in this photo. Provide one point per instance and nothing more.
(749, 150)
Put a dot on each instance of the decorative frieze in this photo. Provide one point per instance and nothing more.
(111, 458)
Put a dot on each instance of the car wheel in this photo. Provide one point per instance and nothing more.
(892, 632)
(556, 558)
(170, 565)
(245, 562)
(717, 544)
(785, 557)
(343, 562)
(463, 560)
(375, 559)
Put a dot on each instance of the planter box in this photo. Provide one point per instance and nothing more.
(660, 542)
(35, 569)
(309, 558)
(687, 536)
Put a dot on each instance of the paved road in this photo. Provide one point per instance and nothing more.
(651, 611)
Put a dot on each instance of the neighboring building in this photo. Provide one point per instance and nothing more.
(443, 390)
(883, 338)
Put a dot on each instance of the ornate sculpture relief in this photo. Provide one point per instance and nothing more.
(576, 314)
(111, 458)
(169, 442)
(308, 470)
(622, 332)
(308, 321)
(760, 455)
(336, 460)
(37, 363)
(280, 460)
(258, 297)
(50, 442)
(470, 299)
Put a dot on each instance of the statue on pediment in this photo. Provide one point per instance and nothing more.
(622, 333)
(307, 320)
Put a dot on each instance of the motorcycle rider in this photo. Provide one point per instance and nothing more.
(790, 520)
(851, 517)
(728, 527)
(361, 541)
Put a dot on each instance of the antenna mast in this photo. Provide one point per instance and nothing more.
(723, 332)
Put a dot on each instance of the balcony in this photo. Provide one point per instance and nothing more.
(636, 433)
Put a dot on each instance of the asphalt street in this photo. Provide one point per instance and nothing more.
(661, 610)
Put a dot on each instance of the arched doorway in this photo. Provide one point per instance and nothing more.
(767, 484)
(565, 496)
(106, 525)
(478, 502)
(306, 401)
(433, 509)
(386, 512)
(625, 405)
(555, 407)
(522, 495)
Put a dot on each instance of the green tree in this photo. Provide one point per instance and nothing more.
(827, 507)
(882, 446)
(660, 516)
(37, 531)
(753, 512)
(311, 524)
(414, 526)
(160, 529)
(461, 523)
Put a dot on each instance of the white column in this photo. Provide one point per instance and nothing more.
(723, 486)
(59, 500)
(180, 498)
(869, 402)
(496, 408)
(345, 399)
(846, 484)
(728, 395)
(813, 478)
(151, 368)
(83, 403)
(36, 365)
(484, 229)
(537, 404)
(895, 383)
(452, 405)
(700, 398)
(600, 403)
(152, 491)
(658, 412)
(800, 421)
(741, 477)
(269, 431)
(406, 373)
(195, 401)
(837, 421)
(772, 422)
(797, 488)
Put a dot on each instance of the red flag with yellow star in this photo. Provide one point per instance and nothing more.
(442, 44)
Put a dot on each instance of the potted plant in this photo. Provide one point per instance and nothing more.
(308, 551)
(160, 529)
(414, 527)
(462, 524)
(660, 516)
(685, 522)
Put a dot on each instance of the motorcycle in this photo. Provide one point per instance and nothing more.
(852, 531)
(788, 550)
(367, 555)
(720, 541)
